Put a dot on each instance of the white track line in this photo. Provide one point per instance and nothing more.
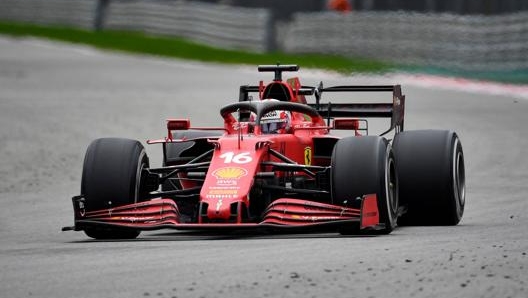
(465, 85)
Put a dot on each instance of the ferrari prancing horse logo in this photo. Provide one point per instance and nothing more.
(308, 156)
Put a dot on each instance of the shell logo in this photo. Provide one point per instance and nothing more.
(230, 173)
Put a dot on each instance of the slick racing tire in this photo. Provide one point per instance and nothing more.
(112, 177)
(430, 167)
(365, 165)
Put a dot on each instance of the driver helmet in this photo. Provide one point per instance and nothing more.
(277, 121)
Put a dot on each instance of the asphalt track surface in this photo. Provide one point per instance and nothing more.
(56, 98)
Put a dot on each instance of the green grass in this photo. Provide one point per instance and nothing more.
(135, 42)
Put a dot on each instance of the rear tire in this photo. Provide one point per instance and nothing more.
(431, 173)
(111, 178)
(365, 165)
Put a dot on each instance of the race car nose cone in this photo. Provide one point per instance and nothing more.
(218, 209)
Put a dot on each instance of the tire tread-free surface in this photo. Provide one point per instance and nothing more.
(430, 183)
(111, 178)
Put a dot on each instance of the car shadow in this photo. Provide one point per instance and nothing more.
(223, 236)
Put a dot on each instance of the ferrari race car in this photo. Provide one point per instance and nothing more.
(274, 164)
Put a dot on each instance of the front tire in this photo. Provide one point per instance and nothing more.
(365, 165)
(111, 178)
(432, 176)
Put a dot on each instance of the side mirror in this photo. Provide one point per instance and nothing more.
(178, 124)
(346, 123)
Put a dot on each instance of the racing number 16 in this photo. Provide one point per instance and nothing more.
(230, 157)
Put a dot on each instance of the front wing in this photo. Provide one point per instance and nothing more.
(283, 213)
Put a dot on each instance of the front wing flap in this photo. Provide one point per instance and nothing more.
(282, 214)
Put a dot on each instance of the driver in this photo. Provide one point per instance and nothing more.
(275, 122)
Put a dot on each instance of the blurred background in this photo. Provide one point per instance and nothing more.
(483, 39)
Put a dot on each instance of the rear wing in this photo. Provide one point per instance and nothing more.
(394, 110)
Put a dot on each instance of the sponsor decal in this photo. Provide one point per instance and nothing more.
(308, 156)
(240, 158)
(396, 101)
(226, 182)
(223, 191)
(302, 125)
(219, 193)
(224, 187)
(230, 173)
(319, 218)
(272, 114)
(82, 211)
(221, 196)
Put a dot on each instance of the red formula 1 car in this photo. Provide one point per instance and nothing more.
(274, 164)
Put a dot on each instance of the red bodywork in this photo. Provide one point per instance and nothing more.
(240, 156)
(282, 213)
